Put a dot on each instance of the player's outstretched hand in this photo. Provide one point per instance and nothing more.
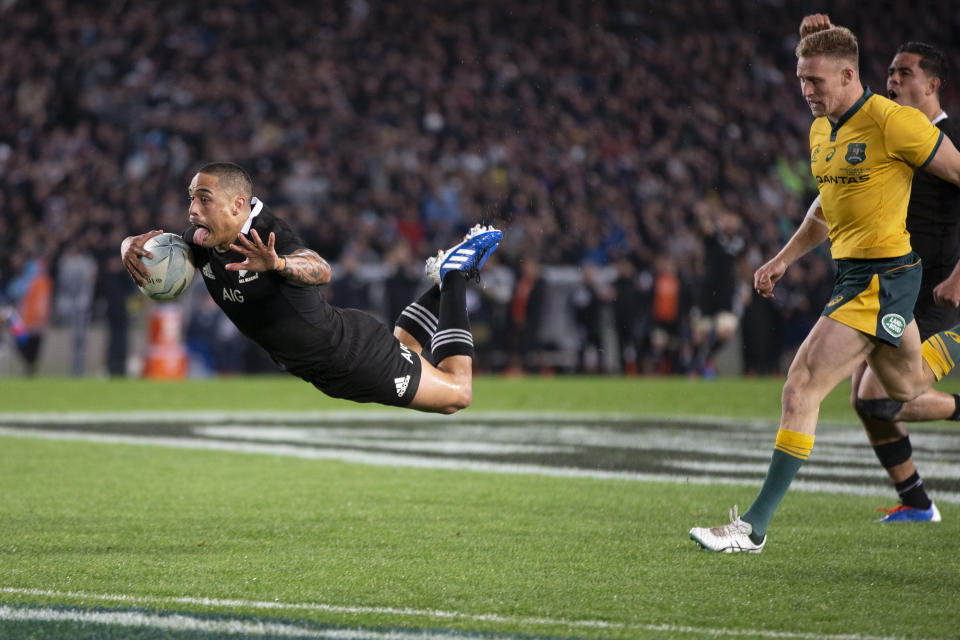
(947, 293)
(767, 276)
(131, 250)
(813, 23)
(259, 256)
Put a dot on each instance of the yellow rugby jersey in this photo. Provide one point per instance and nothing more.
(864, 168)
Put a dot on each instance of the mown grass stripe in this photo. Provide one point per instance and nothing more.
(7, 613)
(447, 464)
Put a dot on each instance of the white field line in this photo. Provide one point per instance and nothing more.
(180, 623)
(426, 462)
(237, 625)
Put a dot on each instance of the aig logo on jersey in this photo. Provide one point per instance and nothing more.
(233, 295)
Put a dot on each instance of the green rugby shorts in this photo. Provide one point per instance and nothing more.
(876, 296)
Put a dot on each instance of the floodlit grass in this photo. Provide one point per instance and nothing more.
(731, 397)
(148, 521)
(160, 523)
(758, 397)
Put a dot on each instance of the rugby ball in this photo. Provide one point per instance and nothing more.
(171, 267)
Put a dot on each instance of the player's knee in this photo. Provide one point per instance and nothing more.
(464, 398)
(450, 409)
(884, 409)
(461, 399)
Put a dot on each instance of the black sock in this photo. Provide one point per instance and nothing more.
(912, 493)
(453, 337)
(419, 318)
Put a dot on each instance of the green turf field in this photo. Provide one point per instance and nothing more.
(353, 521)
(759, 397)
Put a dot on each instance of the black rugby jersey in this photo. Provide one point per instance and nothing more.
(291, 321)
(933, 216)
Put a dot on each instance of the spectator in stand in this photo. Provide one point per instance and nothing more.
(404, 279)
(30, 293)
(73, 300)
(116, 289)
(348, 291)
(668, 317)
(723, 243)
(631, 309)
(593, 301)
(526, 308)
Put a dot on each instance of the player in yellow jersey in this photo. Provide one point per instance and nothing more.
(863, 152)
(915, 78)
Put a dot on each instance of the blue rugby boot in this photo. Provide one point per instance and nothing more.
(467, 257)
(903, 513)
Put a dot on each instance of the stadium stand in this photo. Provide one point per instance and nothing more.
(609, 139)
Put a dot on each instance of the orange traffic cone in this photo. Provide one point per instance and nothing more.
(166, 356)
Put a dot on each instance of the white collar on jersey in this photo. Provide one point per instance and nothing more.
(942, 116)
(257, 208)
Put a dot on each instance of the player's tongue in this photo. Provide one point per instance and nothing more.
(200, 235)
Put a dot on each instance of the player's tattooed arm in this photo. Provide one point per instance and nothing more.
(304, 266)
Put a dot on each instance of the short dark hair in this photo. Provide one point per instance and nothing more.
(933, 61)
(231, 175)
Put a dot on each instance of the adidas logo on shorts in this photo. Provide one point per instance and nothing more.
(402, 384)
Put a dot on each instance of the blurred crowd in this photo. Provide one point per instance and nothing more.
(643, 158)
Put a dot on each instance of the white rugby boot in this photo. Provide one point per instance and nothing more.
(729, 538)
